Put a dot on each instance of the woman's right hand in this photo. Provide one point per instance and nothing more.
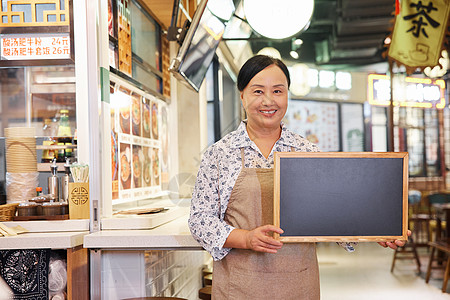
(258, 239)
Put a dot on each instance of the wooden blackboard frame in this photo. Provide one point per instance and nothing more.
(371, 157)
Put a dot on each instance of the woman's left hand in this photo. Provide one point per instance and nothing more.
(394, 244)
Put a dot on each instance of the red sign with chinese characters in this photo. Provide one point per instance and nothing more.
(32, 46)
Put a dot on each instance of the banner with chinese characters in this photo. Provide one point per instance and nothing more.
(419, 33)
(36, 32)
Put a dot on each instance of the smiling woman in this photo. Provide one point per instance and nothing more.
(239, 168)
(232, 207)
(264, 95)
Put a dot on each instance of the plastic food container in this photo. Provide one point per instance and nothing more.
(27, 209)
(51, 209)
(64, 208)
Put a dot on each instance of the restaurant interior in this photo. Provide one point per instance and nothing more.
(117, 126)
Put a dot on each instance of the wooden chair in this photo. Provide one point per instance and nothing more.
(444, 246)
(440, 247)
(437, 224)
(409, 251)
(419, 218)
(418, 224)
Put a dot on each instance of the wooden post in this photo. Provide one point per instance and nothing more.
(390, 115)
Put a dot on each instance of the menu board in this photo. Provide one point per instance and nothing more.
(316, 121)
(36, 33)
(136, 144)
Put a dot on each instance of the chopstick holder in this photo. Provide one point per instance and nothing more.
(79, 200)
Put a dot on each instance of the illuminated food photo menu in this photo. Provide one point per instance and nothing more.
(136, 144)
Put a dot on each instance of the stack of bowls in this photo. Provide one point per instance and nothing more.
(21, 164)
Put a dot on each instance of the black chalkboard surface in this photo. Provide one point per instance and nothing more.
(341, 196)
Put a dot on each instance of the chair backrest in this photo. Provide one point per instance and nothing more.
(438, 198)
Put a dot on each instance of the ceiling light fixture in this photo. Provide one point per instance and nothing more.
(295, 44)
(270, 51)
(278, 19)
(294, 54)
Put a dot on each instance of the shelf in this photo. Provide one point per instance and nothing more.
(48, 218)
(55, 147)
(45, 167)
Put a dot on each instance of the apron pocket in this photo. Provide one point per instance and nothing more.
(245, 285)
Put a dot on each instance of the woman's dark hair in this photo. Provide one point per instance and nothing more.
(255, 65)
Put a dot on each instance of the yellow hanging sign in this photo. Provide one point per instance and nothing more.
(419, 33)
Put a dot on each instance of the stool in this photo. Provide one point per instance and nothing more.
(206, 271)
(155, 298)
(205, 293)
(207, 279)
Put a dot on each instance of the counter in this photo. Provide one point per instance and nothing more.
(145, 221)
(52, 226)
(70, 241)
(143, 262)
(41, 240)
(172, 235)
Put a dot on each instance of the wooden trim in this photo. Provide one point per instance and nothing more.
(78, 273)
(405, 195)
(342, 154)
(314, 239)
(298, 239)
(276, 192)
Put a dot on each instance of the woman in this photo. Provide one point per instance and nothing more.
(232, 203)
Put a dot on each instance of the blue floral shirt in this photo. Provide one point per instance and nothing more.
(219, 169)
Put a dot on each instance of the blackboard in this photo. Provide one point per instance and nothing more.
(341, 196)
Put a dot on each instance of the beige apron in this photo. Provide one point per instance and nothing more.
(291, 273)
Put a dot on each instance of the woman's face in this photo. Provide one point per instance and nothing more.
(265, 98)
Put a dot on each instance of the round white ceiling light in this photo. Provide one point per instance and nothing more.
(270, 51)
(278, 19)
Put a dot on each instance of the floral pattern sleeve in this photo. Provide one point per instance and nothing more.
(219, 169)
(205, 221)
